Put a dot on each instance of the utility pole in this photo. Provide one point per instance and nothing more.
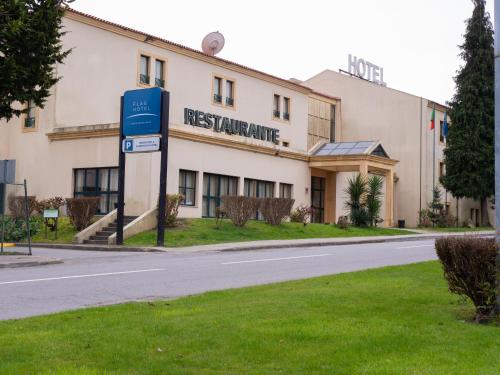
(497, 151)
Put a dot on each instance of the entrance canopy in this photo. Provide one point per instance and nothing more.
(363, 157)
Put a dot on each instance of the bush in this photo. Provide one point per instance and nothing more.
(343, 222)
(301, 214)
(17, 206)
(275, 210)
(16, 229)
(81, 211)
(240, 209)
(172, 209)
(469, 268)
(49, 204)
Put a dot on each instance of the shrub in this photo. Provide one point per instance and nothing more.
(424, 221)
(343, 222)
(16, 229)
(469, 268)
(275, 210)
(172, 210)
(49, 204)
(356, 200)
(17, 206)
(374, 199)
(301, 214)
(240, 209)
(81, 211)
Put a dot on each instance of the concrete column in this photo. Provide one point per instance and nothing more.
(330, 197)
(363, 169)
(389, 198)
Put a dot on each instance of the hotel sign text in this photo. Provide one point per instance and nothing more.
(230, 126)
(366, 70)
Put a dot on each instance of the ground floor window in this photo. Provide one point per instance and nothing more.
(317, 199)
(216, 186)
(98, 182)
(187, 187)
(258, 189)
(285, 190)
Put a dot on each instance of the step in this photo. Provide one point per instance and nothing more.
(99, 238)
(105, 233)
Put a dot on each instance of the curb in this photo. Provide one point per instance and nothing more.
(245, 246)
(31, 264)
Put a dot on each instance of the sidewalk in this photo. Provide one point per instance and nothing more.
(15, 261)
(267, 244)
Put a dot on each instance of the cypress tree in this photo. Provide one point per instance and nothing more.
(30, 46)
(469, 155)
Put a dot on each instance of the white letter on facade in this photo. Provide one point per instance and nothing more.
(352, 64)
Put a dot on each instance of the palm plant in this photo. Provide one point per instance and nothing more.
(356, 202)
(373, 199)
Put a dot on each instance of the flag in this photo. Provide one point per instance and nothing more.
(433, 117)
(445, 126)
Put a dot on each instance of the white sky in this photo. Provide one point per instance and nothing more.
(414, 41)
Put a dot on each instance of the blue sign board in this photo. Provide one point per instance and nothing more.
(142, 112)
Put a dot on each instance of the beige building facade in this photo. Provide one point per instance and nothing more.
(71, 146)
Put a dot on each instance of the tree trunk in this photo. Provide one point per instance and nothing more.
(485, 221)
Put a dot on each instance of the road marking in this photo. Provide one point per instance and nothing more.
(276, 259)
(413, 247)
(80, 276)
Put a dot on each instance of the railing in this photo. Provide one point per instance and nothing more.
(286, 116)
(217, 98)
(276, 113)
(29, 122)
(229, 101)
(159, 82)
(144, 79)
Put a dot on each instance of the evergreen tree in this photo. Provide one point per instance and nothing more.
(469, 156)
(30, 46)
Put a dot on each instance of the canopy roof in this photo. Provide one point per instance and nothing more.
(352, 148)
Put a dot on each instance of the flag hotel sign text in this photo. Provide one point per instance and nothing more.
(230, 126)
(366, 70)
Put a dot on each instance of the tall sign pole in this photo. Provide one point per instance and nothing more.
(162, 199)
(497, 150)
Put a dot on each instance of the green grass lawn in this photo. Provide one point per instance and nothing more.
(395, 320)
(204, 231)
(65, 233)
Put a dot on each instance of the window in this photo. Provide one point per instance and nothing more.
(285, 144)
(160, 73)
(97, 182)
(285, 190)
(229, 93)
(258, 189)
(286, 109)
(187, 187)
(332, 123)
(216, 186)
(144, 70)
(441, 169)
(30, 119)
(217, 90)
(317, 199)
(276, 108)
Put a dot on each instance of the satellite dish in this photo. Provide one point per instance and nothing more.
(213, 43)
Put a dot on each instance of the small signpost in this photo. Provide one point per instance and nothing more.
(50, 218)
(144, 117)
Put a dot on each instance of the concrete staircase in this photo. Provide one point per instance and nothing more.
(101, 237)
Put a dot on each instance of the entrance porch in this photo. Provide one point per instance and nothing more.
(328, 160)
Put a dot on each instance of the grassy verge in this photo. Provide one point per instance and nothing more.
(65, 233)
(204, 231)
(396, 320)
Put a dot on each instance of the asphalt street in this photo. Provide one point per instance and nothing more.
(89, 278)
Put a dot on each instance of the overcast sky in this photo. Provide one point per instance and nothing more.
(414, 41)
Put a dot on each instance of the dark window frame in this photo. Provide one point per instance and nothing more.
(320, 210)
(183, 188)
(333, 123)
(282, 189)
(208, 196)
(268, 185)
(96, 192)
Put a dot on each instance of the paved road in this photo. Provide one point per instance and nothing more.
(99, 278)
